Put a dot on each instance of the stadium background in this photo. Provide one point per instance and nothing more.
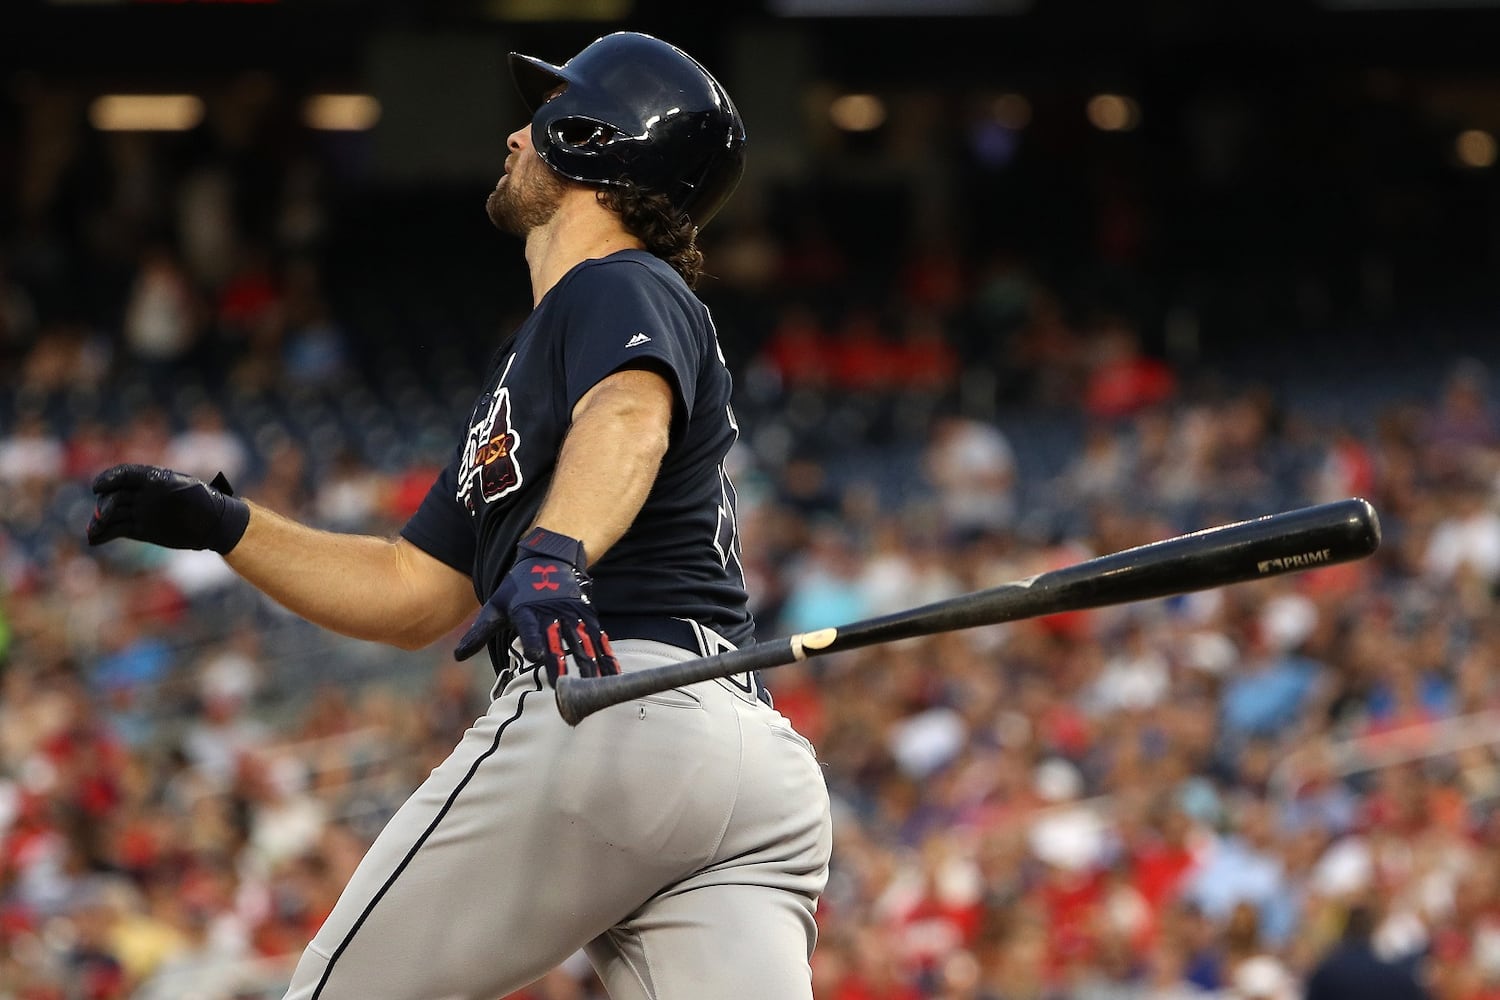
(1003, 288)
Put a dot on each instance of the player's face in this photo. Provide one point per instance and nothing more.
(528, 193)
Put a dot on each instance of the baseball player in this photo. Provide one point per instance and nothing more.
(682, 839)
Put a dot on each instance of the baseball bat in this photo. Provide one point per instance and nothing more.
(1213, 557)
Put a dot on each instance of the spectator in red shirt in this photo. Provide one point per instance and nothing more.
(1123, 381)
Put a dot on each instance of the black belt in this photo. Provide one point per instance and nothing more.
(677, 632)
(687, 635)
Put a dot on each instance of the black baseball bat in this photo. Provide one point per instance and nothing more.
(1214, 557)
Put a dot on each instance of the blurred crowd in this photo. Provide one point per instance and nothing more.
(1273, 791)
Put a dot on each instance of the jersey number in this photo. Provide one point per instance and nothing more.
(726, 533)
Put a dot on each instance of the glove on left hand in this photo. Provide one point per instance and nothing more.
(166, 508)
(546, 598)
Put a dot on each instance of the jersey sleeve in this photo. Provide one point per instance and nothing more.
(621, 315)
(440, 527)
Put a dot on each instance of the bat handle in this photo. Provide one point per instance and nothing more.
(580, 697)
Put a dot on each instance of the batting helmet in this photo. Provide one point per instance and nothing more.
(636, 111)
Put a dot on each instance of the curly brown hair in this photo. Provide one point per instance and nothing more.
(666, 232)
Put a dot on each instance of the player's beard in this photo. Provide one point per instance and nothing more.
(529, 198)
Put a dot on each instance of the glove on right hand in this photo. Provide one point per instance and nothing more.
(166, 508)
(546, 599)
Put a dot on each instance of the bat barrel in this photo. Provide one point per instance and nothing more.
(1296, 540)
(1269, 546)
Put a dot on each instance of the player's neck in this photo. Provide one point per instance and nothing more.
(580, 230)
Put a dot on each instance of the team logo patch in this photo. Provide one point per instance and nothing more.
(489, 456)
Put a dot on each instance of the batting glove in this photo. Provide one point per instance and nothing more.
(546, 599)
(166, 508)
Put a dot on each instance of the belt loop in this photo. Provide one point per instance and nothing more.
(711, 643)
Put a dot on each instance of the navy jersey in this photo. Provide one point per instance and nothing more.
(680, 558)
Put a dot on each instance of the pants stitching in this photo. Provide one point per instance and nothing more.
(739, 769)
(411, 854)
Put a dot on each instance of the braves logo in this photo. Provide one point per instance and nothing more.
(489, 455)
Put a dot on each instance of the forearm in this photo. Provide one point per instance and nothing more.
(358, 585)
(607, 466)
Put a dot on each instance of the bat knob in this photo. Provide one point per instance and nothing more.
(566, 694)
(1364, 525)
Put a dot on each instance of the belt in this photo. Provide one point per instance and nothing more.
(685, 634)
(680, 632)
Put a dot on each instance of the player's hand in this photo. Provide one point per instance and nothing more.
(166, 508)
(546, 598)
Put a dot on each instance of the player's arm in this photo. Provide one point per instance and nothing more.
(371, 588)
(610, 457)
(358, 585)
(609, 460)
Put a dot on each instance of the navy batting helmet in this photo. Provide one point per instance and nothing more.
(636, 111)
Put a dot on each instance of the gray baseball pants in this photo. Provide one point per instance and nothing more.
(681, 840)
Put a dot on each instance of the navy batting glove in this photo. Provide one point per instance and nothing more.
(166, 508)
(546, 598)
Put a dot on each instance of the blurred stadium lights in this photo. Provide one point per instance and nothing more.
(145, 112)
(857, 112)
(1475, 148)
(558, 10)
(1012, 111)
(1113, 113)
(341, 112)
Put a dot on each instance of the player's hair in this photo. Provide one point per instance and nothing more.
(667, 233)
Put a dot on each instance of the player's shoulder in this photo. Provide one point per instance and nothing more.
(629, 269)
